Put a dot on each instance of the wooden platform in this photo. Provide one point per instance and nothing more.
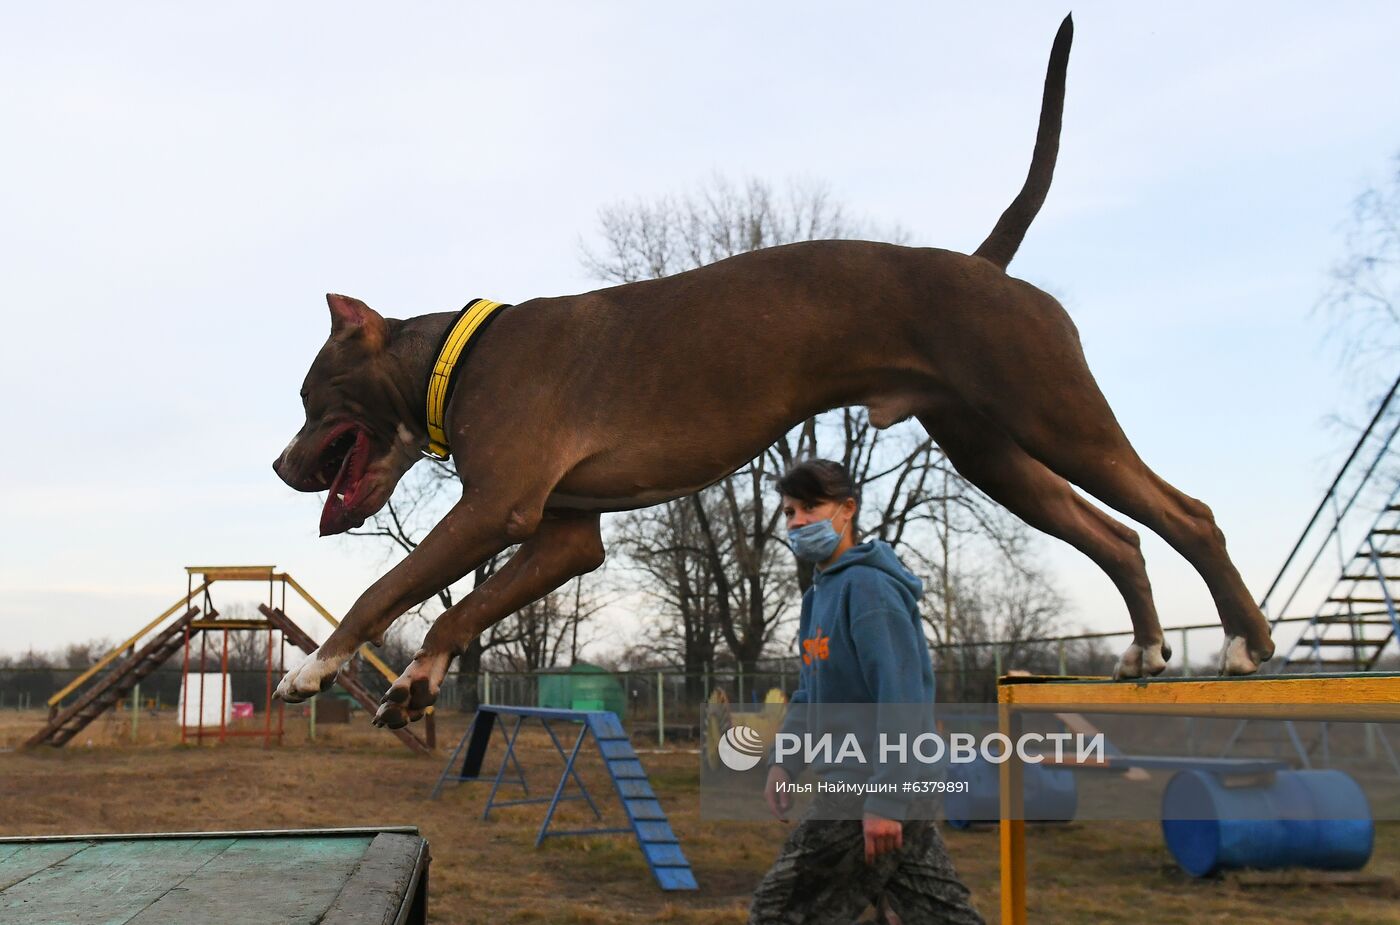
(328, 876)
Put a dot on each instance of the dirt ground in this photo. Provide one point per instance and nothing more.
(489, 870)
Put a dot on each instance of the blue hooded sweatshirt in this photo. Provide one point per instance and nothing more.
(861, 641)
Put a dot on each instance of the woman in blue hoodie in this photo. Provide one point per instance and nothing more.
(862, 642)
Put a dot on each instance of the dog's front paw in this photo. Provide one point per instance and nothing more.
(414, 691)
(1139, 661)
(310, 678)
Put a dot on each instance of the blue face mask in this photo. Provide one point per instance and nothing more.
(814, 542)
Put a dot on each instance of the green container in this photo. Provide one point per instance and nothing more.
(582, 687)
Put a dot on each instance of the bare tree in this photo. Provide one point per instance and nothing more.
(646, 239)
(81, 655)
(1363, 306)
(1363, 299)
(546, 634)
(668, 554)
(728, 533)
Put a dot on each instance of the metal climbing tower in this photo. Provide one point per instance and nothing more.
(1347, 561)
(1354, 620)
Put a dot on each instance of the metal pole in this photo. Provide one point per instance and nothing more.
(311, 720)
(203, 664)
(1185, 654)
(959, 656)
(660, 710)
(740, 683)
(224, 681)
(486, 680)
(282, 669)
(1061, 647)
(185, 685)
(135, 710)
(267, 681)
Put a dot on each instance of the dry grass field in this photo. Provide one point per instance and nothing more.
(489, 871)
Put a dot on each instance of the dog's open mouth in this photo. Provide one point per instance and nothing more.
(344, 461)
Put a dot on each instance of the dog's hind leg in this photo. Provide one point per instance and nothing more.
(561, 548)
(1112, 471)
(1063, 420)
(992, 461)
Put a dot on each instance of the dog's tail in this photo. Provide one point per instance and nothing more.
(1006, 237)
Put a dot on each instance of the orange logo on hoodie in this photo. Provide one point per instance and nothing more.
(816, 647)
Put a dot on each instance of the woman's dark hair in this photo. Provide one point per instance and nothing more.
(819, 480)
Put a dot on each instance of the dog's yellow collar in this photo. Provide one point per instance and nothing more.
(463, 333)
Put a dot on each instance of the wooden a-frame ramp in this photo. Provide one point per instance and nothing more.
(98, 692)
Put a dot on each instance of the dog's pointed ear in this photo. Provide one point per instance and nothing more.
(353, 318)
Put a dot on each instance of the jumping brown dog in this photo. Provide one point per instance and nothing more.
(638, 394)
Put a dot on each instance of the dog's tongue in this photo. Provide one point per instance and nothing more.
(336, 517)
(338, 514)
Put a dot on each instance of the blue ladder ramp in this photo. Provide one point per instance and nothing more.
(660, 846)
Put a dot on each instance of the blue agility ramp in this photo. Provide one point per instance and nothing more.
(648, 820)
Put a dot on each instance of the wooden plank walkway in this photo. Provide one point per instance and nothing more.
(315, 877)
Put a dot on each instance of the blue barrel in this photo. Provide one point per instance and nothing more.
(1050, 794)
(1314, 819)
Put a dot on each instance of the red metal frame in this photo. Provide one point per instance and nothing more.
(267, 732)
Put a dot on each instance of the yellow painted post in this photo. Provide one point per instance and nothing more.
(364, 651)
(1013, 821)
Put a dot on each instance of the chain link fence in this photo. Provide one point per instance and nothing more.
(667, 703)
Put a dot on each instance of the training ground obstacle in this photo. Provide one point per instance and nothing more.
(647, 819)
(1362, 697)
(370, 876)
(118, 673)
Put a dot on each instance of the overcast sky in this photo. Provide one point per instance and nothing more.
(181, 183)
